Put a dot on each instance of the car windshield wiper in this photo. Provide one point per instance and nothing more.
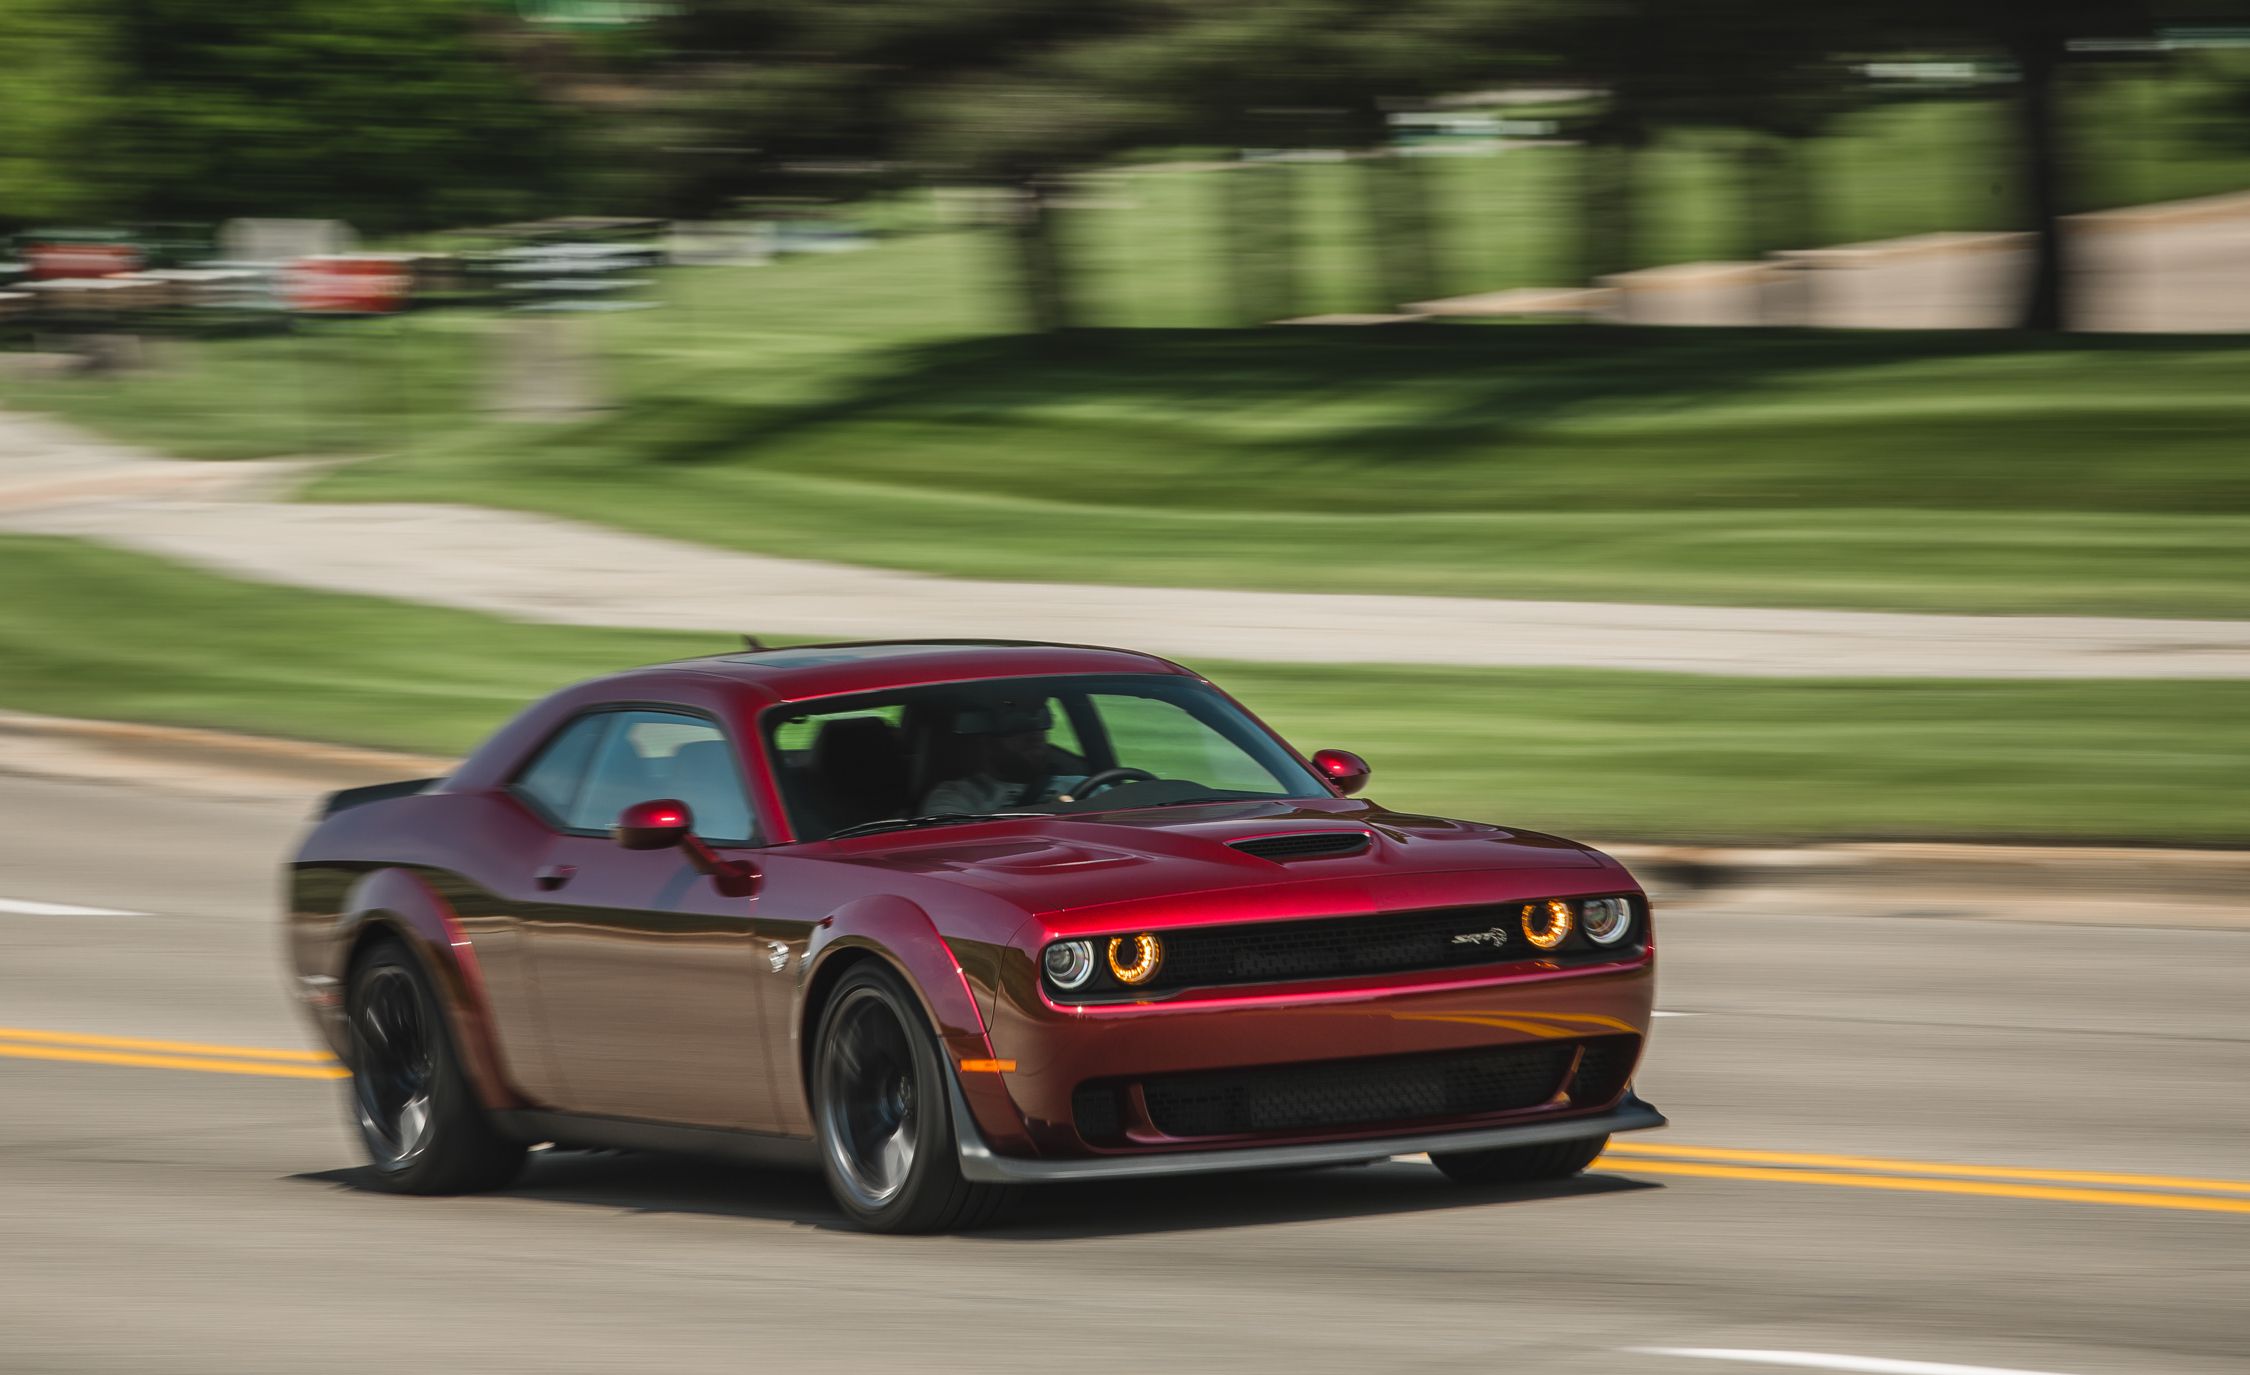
(900, 823)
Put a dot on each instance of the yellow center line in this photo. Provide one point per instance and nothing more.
(1727, 1155)
(206, 1065)
(2194, 1203)
(80, 1038)
(1701, 1162)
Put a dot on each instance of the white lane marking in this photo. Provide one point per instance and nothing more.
(1661, 1013)
(1821, 1360)
(18, 908)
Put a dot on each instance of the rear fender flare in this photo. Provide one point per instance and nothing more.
(398, 902)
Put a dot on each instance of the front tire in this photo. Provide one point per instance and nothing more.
(883, 1115)
(418, 1119)
(1519, 1164)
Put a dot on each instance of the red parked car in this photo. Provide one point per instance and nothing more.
(943, 918)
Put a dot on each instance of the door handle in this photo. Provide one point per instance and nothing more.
(555, 876)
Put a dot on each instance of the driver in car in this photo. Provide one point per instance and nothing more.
(1008, 749)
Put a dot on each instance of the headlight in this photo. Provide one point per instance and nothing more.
(1606, 920)
(1070, 963)
(1133, 959)
(1547, 924)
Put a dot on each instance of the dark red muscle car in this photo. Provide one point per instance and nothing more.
(942, 918)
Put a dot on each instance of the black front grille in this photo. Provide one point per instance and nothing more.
(1343, 947)
(1342, 1093)
(1316, 845)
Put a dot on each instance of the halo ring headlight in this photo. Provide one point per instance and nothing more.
(1133, 960)
(1069, 964)
(1547, 924)
(1606, 921)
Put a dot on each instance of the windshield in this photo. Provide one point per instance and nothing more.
(962, 751)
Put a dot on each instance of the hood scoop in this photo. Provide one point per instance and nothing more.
(1306, 845)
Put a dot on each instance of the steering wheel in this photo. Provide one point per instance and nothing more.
(1108, 778)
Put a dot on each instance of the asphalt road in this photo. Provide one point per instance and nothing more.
(1984, 1083)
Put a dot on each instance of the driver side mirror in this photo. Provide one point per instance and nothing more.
(1345, 771)
(658, 825)
(666, 822)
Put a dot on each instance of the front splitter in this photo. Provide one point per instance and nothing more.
(979, 1162)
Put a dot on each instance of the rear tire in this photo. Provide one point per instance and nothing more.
(883, 1114)
(1519, 1164)
(417, 1117)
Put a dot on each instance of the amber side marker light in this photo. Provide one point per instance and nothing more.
(987, 1066)
(1557, 921)
(1133, 959)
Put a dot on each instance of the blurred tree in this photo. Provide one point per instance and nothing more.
(392, 115)
(1261, 78)
(48, 106)
(1771, 69)
(2035, 36)
(832, 101)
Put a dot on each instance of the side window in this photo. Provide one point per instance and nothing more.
(652, 754)
(553, 780)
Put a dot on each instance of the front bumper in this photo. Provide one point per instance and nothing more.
(979, 1162)
(1030, 1111)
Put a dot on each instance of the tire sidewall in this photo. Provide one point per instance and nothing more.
(449, 1092)
(933, 1124)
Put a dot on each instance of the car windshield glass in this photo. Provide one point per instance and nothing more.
(1049, 746)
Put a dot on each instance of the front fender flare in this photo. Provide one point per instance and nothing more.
(901, 933)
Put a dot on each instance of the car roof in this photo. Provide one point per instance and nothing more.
(797, 672)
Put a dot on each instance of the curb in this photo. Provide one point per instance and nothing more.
(194, 760)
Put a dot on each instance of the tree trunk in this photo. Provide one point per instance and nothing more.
(2038, 54)
(1039, 265)
(1764, 214)
(1802, 222)
(1401, 231)
(1605, 206)
(1239, 201)
(1260, 239)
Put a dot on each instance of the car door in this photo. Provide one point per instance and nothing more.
(646, 973)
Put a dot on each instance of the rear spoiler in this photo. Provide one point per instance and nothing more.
(373, 792)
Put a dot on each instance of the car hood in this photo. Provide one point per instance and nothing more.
(1056, 864)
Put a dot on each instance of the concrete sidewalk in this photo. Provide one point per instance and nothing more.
(2175, 267)
(54, 480)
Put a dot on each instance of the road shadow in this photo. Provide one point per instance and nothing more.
(644, 1184)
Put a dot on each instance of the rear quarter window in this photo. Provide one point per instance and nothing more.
(553, 779)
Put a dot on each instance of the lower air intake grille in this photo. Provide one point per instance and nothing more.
(1095, 1107)
(1396, 1088)
(1603, 1069)
(1312, 845)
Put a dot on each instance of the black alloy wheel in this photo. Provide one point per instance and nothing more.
(418, 1119)
(393, 1069)
(883, 1114)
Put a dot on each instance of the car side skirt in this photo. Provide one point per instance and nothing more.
(979, 1162)
(583, 1132)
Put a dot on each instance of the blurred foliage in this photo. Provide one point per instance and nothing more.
(393, 114)
(1605, 755)
(412, 113)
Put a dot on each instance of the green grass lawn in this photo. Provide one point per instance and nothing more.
(1951, 473)
(1608, 755)
(872, 407)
